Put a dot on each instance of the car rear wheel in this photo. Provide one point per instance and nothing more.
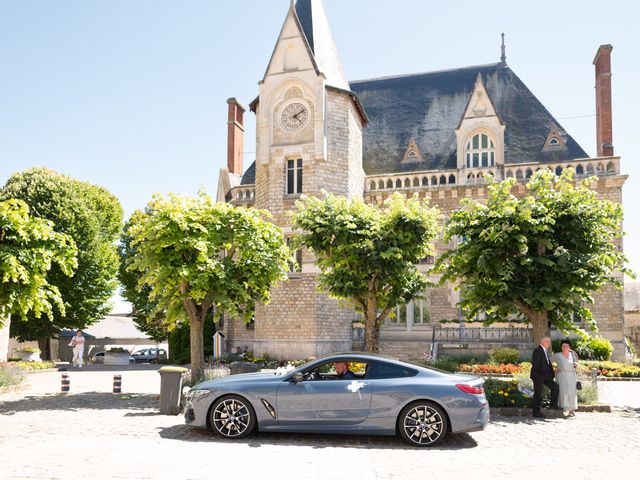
(422, 424)
(232, 417)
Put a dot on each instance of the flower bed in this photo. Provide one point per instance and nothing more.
(33, 366)
(505, 393)
(609, 369)
(490, 369)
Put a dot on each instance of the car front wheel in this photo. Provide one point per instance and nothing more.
(422, 424)
(232, 417)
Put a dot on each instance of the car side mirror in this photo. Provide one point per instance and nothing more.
(297, 377)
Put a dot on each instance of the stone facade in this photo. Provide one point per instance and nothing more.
(305, 71)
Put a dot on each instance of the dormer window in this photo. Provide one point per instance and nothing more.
(554, 141)
(480, 151)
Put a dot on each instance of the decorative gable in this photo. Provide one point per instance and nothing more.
(556, 139)
(480, 134)
(412, 154)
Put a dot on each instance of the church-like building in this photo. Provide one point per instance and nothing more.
(433, 134)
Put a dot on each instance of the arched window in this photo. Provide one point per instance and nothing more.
(471, 178)
(443, 179)
(480, 151)
(380, 185)
(610, 168)
(434, 180)
(518, 174)
(452, 179)
(590, 169)
(372, 186)
(558, 171)
(389, 183)
(398, 183)
(425, 181)
(416, 182)
(407, 183)
(554, 141)
(528, 173)
(509, 173)
(579, 170)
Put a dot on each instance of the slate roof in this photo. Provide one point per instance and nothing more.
(429, 106)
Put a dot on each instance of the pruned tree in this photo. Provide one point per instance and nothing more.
(29, 246)
(368, 254)
(196, 255)
(540, 256)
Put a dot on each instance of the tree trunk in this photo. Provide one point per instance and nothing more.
(196, 343)
(540, 324)
(45, 348)
(371, 330)
(5, 324)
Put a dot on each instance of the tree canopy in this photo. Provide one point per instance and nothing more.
(194, 255)
(368, 254)
(541, 256)
(92, 217)
(29, 246)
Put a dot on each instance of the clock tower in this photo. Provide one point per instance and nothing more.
(308, 140)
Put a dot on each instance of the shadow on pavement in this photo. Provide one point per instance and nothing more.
(187, 433)
(80, 401)
(628, 412)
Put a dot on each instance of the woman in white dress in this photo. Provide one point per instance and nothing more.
(567, 362)
(77, 343)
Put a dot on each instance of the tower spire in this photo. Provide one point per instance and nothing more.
(503, 56)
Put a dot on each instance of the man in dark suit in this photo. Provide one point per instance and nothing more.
(542, 374)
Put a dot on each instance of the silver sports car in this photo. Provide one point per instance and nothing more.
(343, 393)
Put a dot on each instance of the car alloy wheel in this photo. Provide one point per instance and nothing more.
(232, 417)
(422, 424)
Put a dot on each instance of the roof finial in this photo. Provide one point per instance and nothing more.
(503, 56)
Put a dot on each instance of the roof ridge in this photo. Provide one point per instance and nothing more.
(416, 74)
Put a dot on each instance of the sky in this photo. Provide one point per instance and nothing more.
(131, 94)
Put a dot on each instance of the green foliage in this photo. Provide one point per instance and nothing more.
(10, 375)
(29, 248)
(448, 364)
(541, 256)
(368, 255)
(193, 254)
(504, 355)
(117, 350)
(145, 311)
(180, 338)
(92, 217)
(588, 348)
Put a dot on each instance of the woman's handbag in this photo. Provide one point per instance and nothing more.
(578, 385)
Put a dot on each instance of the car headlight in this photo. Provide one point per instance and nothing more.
(197, 393)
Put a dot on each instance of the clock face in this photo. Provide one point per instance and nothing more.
(294, 117)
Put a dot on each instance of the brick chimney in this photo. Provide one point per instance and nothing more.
(604, 130)
(235, 136)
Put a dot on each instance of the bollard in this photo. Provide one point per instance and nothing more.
(66, 383)
(117, 384)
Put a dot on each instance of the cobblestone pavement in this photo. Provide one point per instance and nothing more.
(95, 434)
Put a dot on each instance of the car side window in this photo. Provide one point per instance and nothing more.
(327, 371)
(380, 370)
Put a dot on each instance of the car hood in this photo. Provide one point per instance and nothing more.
(239, 378)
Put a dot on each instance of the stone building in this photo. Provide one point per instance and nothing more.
(433, 134)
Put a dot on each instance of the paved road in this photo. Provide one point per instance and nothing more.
(95, 434)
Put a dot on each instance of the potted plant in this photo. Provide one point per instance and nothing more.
(116, 356)
(28, 354)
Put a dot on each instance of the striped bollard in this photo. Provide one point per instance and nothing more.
(64, 387)
(117, 384)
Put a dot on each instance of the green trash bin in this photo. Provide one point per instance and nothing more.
(171, 389)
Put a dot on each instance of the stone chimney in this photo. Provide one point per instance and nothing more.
(235, 136)
(604, 129)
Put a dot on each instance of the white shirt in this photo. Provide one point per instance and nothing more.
(546, 355)
(78, 341)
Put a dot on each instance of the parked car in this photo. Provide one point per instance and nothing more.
(150, 355)
(383, 396)
(99, 358)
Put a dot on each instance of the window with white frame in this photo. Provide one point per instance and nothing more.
(480, 151)
(416, 312)
(294, 176)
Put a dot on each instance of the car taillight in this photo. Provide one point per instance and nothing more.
(470, 389)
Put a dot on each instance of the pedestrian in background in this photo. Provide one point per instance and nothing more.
(77, 342)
